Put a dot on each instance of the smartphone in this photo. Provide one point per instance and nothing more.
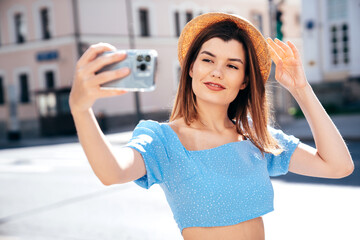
(142, 63)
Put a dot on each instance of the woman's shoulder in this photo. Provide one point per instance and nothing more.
(148, 123)
(180, 128)
(157, 127)
(176, 124)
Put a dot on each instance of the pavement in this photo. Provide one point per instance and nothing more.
(348, 126)
(47, 195)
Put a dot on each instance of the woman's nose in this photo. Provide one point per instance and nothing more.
(217, 73)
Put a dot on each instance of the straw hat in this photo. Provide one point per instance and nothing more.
(196, 25)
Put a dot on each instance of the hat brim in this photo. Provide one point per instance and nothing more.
(196, 25)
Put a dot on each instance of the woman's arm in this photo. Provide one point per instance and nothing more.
(110, 168)
(331, 158)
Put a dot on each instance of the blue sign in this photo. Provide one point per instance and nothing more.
(310, 24)
(47, 56)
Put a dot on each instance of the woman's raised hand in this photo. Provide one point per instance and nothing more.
(289, 70)
(86, 87)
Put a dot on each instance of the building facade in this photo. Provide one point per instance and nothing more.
(41, 40)
(331, 51)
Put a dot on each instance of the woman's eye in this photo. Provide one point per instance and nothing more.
(206, 60)
(234, 67)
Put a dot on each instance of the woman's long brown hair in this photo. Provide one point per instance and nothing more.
(251, 101)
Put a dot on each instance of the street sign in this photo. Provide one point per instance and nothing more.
(47, 56)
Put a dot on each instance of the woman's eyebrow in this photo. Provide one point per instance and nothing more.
(208, 53)
(230, 59)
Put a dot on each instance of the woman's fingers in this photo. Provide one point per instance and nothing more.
(294, 50)
(104, 60)
(110, 92)
(107, 76)
(86, 85)
(279, 70)
(279, 51)
(285, 48)
(92, 52)
(274, 55)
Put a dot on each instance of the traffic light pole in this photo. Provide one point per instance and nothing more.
(272, 23)
(275, 29)
(272, 10)
(132, 46)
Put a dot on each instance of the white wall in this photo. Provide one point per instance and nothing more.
(312, 51)
(318, 58)
(354, 12)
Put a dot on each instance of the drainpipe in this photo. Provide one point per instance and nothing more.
(272, 9)
(130, 22)
(76, 27)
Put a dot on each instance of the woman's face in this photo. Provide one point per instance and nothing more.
(218, 71)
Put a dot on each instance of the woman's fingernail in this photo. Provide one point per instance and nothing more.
(119, 53)
(126, 70)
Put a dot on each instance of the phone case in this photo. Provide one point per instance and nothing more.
(142, 63)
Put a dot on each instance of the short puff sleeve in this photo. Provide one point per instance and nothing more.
(279, 164)
(148, 139)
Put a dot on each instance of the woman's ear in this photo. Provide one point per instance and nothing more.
(244, 84)
(191, 70)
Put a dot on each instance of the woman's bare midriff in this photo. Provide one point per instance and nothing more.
(252, 229)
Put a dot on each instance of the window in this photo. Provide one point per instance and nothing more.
(24, 88)
(19, 28)
(2, 97)
(338, 19)
(44, 15)
(144, 23)
(334, 45)
(177, 23)
(339, 35)
(50, 80)
(345, 43)
(337, 9)
(189, 16)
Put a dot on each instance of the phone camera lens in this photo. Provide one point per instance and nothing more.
(148, 58)
(142, 67)
(140, 58)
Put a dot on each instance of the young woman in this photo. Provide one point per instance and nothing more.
(213, 158)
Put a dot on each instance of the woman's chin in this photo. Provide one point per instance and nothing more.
(212, 101)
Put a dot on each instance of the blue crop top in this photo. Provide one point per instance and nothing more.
(220, 186)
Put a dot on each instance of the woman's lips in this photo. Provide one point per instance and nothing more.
(214, 86)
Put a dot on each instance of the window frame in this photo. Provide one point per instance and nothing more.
(11, 23)
(45, 28)
(152, 17)
(144, 27)
(36, 9)
(2, 90)
(41, 75)
(16, 74)
(20, 37)
(26, 93)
